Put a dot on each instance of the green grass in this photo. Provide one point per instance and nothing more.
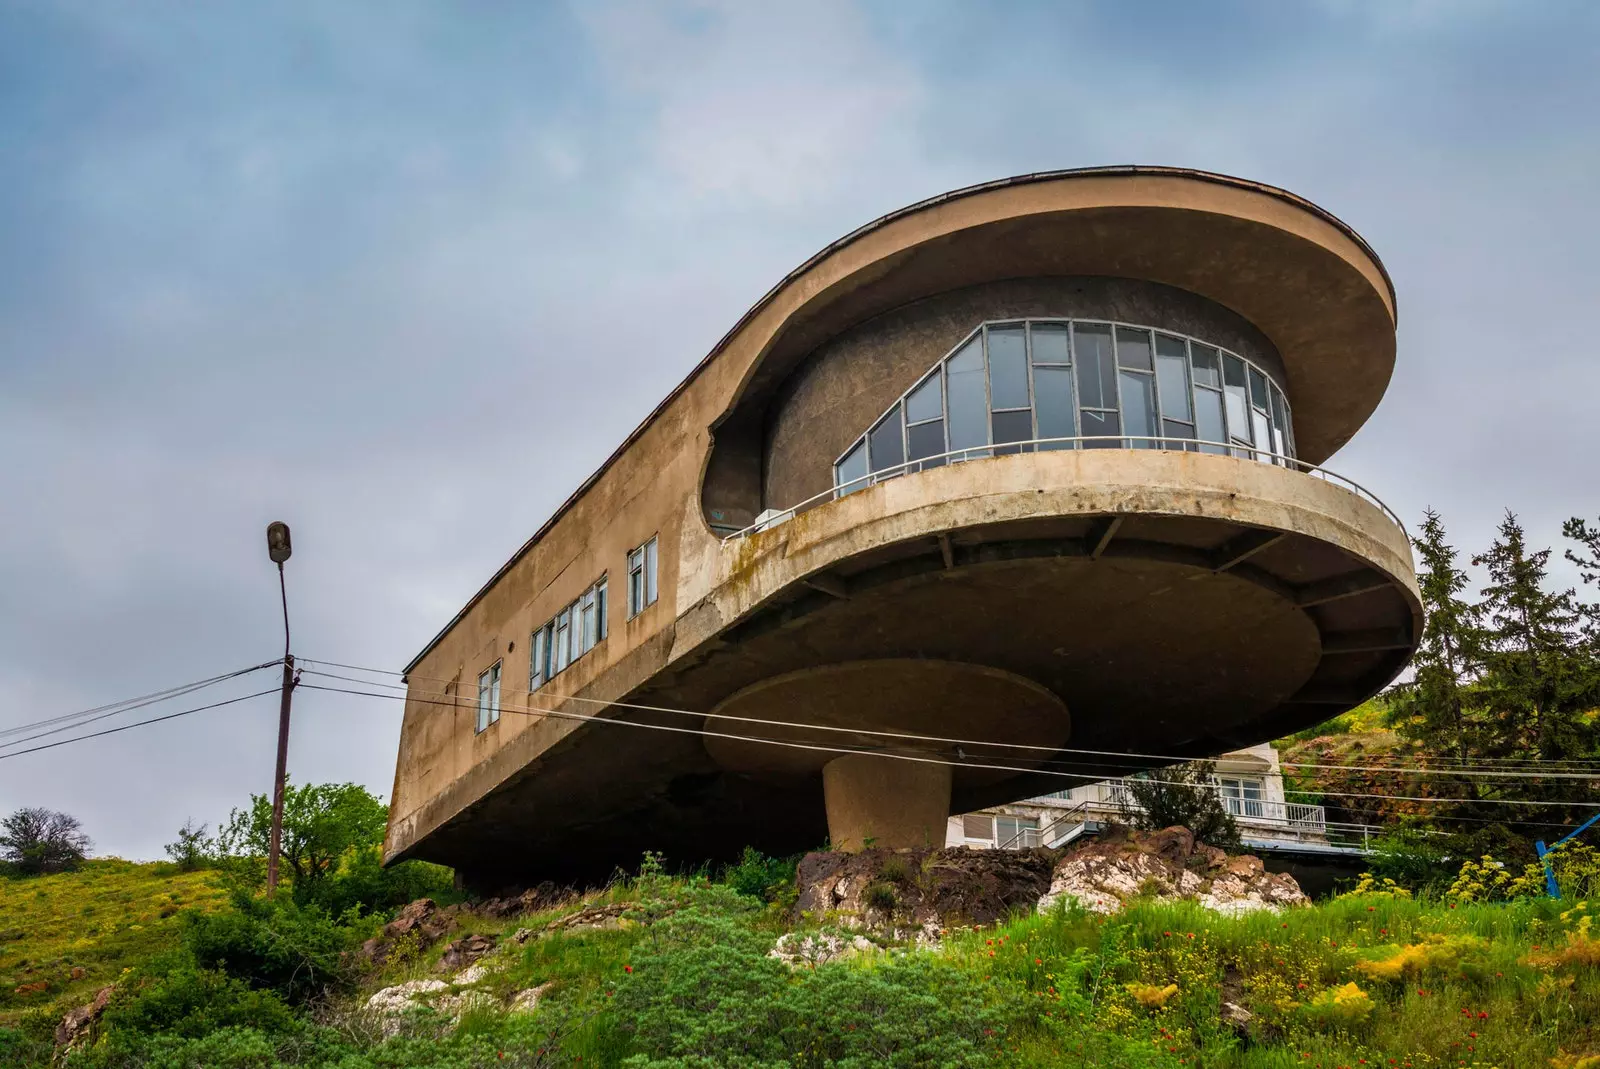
(1140, 990)
(108, 916)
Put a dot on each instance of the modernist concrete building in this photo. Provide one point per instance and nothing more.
(999, 488)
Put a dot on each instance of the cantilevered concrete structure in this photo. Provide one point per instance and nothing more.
(1028, 463)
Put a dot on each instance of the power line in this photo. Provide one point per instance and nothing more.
(538, 710)
(1168, 758)
(88, 716)
(137, 724)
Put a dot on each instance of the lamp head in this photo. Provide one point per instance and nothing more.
(278, 546)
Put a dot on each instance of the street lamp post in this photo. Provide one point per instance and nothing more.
(279, 550)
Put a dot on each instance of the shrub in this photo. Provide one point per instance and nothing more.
(295, 951)
(880, 896)
(193, 1002)
(1345, 1007)
(1182, 795)
(194, 849)
(1370, 886)
(34, 841)
(760, 876)
(1411, 857)
(1434, 952)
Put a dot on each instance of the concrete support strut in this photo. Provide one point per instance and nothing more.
(880, 801)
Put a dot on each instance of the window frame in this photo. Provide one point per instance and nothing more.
(488, 709)
(644, 588)
(561, 641)
(1236, 440)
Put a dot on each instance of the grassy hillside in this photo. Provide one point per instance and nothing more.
(683, 978)
(62, 937)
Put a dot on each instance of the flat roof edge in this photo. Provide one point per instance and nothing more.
(834, 246)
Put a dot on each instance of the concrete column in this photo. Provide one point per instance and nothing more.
(893, 803)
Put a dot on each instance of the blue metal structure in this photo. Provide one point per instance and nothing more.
(1550, 884)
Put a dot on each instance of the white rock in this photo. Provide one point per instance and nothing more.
(817, 948)
(472, 974)
(527, 1001)
(401, 997)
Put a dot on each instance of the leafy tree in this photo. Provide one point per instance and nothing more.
(1587, 559)
(38, 840)
(321, 823)
(194, 849)
(1184, 795)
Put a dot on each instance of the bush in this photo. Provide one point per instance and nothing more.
(759, 876)
(194, 849)
(360, 883)
(1412, 858)
(191, 1002)
(1183, 795)
(34, 841)
(294, 951)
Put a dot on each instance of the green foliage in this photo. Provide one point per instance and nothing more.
(194, 849)
(35, 841)
(297, 952)
(321, 823)
(183, 1000)
(760, 876)
(1413, 857)
(1183, 795)
(708, 994)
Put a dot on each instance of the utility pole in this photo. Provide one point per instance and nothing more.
(279, 550)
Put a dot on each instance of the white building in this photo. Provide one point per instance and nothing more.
(1250, 782)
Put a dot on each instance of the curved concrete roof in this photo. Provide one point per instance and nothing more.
(1303, 277)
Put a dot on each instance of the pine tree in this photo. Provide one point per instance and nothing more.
(1432, 708)
(1532, 676)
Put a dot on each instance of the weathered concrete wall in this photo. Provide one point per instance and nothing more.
(1232, 242)
(848, 382)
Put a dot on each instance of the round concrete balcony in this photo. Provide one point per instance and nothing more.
(1175, 602)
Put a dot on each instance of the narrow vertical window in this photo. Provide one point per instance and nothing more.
(489, 697)
(1209, 422)
(1136, 380)
(650, 572)
(1097, 384)
(1053, 396)
(538, 650)
(600, 606)
(1172, 382)
(967, 404)
(1011, 408)
(563, 640)
(589, 631)
(925, 422)
(1233, 381)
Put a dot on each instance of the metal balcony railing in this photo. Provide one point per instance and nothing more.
(773, 517)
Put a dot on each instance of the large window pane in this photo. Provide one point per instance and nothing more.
(1139, 409)
(1098, 424)
(1012, 427)
(886, 446)
(1208, 418)
(927, 440)
(1172, 375)
(969, 409)
(1052, 400)
(1050, 344)
(1008, 368)
(926, 402)
(1133, 348)
(1097, 372)
(1206, 372)
(1238, 405)
(852, 468)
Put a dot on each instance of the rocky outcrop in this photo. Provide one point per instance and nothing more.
(909, 891)
(534, 900)
(80, 1023)
(816, 948)
(465, 951)
(1103, 875)
(417, 927)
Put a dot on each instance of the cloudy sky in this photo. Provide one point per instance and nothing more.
(403, 274)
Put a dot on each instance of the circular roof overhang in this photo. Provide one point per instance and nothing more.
(1302, 277)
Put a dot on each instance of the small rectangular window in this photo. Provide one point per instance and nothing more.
(1139, 409)
(1206, 372)
(563, 639)
(1097, 371)
(600, 607)
(1052, 388)
(1172, 376)
(1133, 349)
(1208, 417)
(589, 626)
(926, 440)
(1050, 344)
(642, 575)
(1100, 425)
(489, 697)
(978, 826)
(1013, 427)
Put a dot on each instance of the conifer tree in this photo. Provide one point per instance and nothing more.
(1532, 677)
(1432, 708)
